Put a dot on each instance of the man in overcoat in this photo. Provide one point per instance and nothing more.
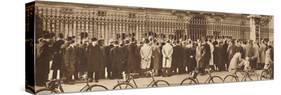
(69, 61)
(108, 60)
(146, 55)
(58, 56)
(115, 58)
(178, 58)
(167, 52)
(94, 60)
(132, 57)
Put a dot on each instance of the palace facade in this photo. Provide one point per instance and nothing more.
(115, 22)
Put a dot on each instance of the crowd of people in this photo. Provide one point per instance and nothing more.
(72, 59)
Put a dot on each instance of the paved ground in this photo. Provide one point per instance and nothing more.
(143, 82)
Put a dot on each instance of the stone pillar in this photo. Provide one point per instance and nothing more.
(252, 28)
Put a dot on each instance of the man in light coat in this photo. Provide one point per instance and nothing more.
(167, 52)
(146, 54)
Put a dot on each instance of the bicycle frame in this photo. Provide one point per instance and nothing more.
(131, 78)
(245, 75)
(206, 81)
(87, 85)
(58, 86)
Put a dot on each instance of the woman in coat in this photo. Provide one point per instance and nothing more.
(156, 55)
(204, 57)
(219, 56)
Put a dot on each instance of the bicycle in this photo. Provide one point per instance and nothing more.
(246, 76)
(55, 86)
(194, 80)
(94, 87)
(52, 87)
(125, 84)
(267, 73)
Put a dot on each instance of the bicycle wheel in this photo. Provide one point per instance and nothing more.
(123, 86)
(188, 81)
(215, 79)
(97, 88)
(230, 78)
(46, 91)
(265, 75)
(84, 89)
(160, 83)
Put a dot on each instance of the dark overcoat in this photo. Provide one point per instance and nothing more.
(58, 55)
(132, 58)
(177, 56)
(69, 58)
(44, 55)
(219, 56)
(190, 53)
(95, 58)
(205, 56)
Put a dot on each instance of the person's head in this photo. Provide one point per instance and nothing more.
(72, 42)
(111, 42)
(101, 42)
(232, 42)
(68, 39)
(127, 42)
(177, 42)
(60, 36)
(250, 42)
(116, 43)
(84, 41)
(141, 43)
(168, 41)
(121, 42)
(146, 41)
(215, 43)
(220, 43)
(94, 41)
(155, 41)
(238, 43)
(133, 40)
(247, 58)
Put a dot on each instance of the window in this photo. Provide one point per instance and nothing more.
(132, 15)
(101, 13)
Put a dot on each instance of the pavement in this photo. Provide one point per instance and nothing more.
(173, 80)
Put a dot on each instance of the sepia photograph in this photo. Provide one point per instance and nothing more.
(91, 47)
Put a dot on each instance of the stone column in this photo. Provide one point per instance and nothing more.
(252, 28)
